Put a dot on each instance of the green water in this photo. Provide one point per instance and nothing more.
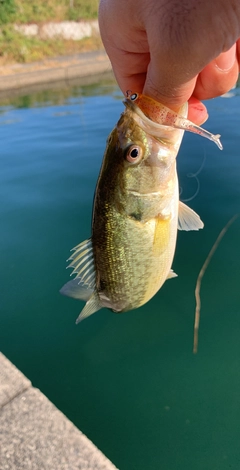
(129, 382)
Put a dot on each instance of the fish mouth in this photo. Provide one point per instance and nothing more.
(141, 118)
(163, 133)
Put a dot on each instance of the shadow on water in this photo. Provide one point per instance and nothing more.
(130, 382)
(57, 93)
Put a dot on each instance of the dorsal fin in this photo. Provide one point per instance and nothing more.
(83, 263)
(188, 219)
(84, 285)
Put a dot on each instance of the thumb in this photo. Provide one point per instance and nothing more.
(164, 86)
(175, 96)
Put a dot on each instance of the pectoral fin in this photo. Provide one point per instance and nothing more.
(188, 219)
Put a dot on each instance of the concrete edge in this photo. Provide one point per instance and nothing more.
(52, 70)
(34, 434)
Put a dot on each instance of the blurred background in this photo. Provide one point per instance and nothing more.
(32, 30)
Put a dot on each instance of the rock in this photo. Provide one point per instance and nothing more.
(74, 30)
(27, 29)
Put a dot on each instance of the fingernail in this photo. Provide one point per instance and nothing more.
(225, 61)
(197, 111)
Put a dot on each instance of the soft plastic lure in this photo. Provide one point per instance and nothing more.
(160, 114)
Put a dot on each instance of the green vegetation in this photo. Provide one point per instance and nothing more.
(7, 10)
(37, 11)
(83, 9)
(14, 47)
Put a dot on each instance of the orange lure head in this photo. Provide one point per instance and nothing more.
(154, 110)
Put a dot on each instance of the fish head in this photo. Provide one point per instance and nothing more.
(149, 149)
(127, 151)
(139, 158)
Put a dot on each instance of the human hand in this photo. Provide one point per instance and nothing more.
(175, 50)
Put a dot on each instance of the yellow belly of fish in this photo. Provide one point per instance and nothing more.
(160, 256)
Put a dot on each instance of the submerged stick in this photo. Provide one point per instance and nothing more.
(199, 281)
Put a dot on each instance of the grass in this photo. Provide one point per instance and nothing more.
(14, 47)
(38, 11)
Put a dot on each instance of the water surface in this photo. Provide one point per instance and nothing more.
(130, 382)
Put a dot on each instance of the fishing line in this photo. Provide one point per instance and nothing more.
(195, 175)
(197, 190)
(199, 281)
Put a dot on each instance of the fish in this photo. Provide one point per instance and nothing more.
(136, 211)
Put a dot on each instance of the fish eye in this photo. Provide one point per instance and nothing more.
(134, 154)
(134, 97)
